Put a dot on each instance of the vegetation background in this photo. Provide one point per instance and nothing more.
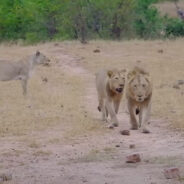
(37, 20)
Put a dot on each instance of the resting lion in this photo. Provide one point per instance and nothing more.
(139, 93)
(110, 85)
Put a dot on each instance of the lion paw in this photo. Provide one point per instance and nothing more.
(115, 124)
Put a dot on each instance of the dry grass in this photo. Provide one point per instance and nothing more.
(42, 153)
(169, 8)
(61, 100)
(48, 104)
(166, 68)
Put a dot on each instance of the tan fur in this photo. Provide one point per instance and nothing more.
(110, 86)
(21, 70)
(139, 93)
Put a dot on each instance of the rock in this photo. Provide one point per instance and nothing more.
(160, 51)
(56, 44)
(133, 158)
(138, 61)
(171, 173)
(132, 146)
(6, 176)
(125, 132)
(44, 79)
(145, 131)
(96, 51)
(180, 82)
(111, 126)
(176, 86)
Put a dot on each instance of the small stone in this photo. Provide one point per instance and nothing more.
(133, 158)
(117, 145)
(96, 50)
(125, 132)
(56, 44)
(180, 82)
(45, 79)
(111, 127)
(132, 146)
(176, 86)
(172, 173)
(138, 61)
(145, 131)
(160, 51)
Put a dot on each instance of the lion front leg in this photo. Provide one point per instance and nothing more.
(145, 119)
(102, 109)
(133, 120)
(111, 111)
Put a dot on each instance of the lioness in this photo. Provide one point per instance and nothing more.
(139, 93)
(110, 85)
(21, 70)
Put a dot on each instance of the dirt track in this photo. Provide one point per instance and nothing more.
(93, 159)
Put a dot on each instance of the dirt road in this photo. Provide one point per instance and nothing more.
(92, 158)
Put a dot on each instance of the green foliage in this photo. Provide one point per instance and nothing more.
(148, 23)
(38, 20)
(174, 27)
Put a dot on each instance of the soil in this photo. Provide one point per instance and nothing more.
(93, 158)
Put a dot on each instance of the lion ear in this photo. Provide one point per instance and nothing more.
(131, 74)
(110, 73)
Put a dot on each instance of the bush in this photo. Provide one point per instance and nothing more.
(148, 22)
(39, 20)
(174, 27)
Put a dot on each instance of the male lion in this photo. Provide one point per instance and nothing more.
(110, 85)
(139, 93)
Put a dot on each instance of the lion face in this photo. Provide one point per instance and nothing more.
(117, 80)
(41, 58)
(140, 87)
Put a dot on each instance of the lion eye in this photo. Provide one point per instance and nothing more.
(135, 86)
(116, 78)
(143, 85)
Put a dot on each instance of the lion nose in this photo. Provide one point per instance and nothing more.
(121, 85)
(139, 96)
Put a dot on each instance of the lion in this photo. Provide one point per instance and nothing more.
(110, 87)
(139, 93)
(21, 70)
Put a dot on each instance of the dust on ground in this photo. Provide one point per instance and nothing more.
(59, 137)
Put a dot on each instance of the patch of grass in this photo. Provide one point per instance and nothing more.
(166, 160)
(16, 153)
(165, 68)
(181, 179)
(54, 141)
(42, 153)
(34, 144)
(95, 155)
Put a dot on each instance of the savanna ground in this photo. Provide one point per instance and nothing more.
(55, 135)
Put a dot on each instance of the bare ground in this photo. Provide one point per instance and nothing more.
(96, 157)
